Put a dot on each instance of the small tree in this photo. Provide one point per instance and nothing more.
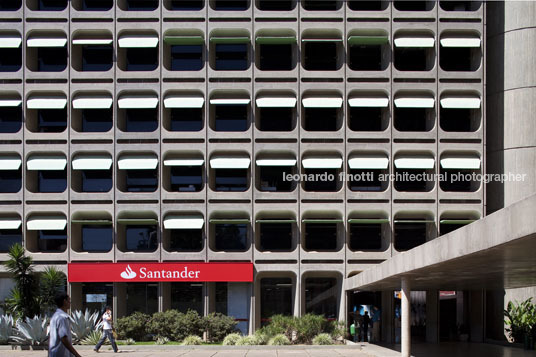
(22, 302)
(520, 317)
(51, 282)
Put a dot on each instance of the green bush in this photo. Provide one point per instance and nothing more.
(247, 341)
(175, 325)
(308, 326)
(161, 341)
(261, 337)
(280, 324)
(231, 339)
(130, 341)
(133, 326)
(192, 340)
(93, 338)
(218, 326)
(279, 340)
(322, 339)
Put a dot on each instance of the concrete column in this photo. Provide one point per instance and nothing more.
(476, 316)
(432, 316)
(406, 318)
(387, 316)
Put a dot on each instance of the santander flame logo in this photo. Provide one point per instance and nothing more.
(128, 273)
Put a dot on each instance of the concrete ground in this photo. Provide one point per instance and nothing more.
(359, 350)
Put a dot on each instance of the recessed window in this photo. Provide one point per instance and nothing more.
(52, 181)
(275, 113)
(321, 297)
(138, 113)
(275, 235)
(414, 5)
(141, 297)
(231, 237)
(141, 180)
(410, 233)
(234, 298)
(46, 174)
(273, 172)
(10, 174)
(10, 116)
(184, 50)
(46, 234)
(46, 113)
(183, 112)
(231, 117)
(47, 52)
(48, 5)
(230, 174)
(458, 173)
(365, 234)
(92, 53)
(321, 174)
(97, 120)
(321, 5)
(368, 51)
(322, 113)
(185, 5)
(320, 235)
(92, 113)
(141, 238)
(413, 113)
(414, 173)
(414, 52)
(185, 175)
(92, 173)
(139, 5)
(51, 120)
(97, 238)
(322, 52)
(459, 52)
(229, 50)
(138, 173)
(93, 5)
(138, 52)
(10, 5)
(368, 172)
(9, 235)
(230, 5)
(10, 52)
(187, 296)
(275, 50)
(460, 5)
(368, 113)
(52, 240)
(276, 298)
(460, 113)
(276, 5)
(96, 296)
(451, 221)
(360, 5)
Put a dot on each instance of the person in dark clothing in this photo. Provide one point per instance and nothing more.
(366, 323)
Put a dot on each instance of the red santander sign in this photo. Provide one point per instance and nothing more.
(164, 272)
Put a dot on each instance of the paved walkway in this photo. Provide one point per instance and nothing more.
(359, 350)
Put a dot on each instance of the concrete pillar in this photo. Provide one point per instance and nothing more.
(406, 318)
(432, 316)
(476, 316)
(388, 316)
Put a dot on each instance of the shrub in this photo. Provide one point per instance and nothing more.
(161, 341)
(231, 339)
(520, 317)
(130, 341)
(218, 326)
(336, 329)
(93, 338)
(247, 341)
(280, 324)
(175, 325)
(261, 337)
(133, 326)
(279, 340)
(322, 339)
(308, 326)
(192, 340)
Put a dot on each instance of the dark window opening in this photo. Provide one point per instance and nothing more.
(186, 119)
(321, 296)
(51, 120)
(445, 228)
(366, 58)
(457, 120)
(96, 180)
(275, 5)
(323, 182)
(321, 236)
(275, 57)
(404, 184)
(51, 59)
(186, 178)
(321, 119)
(97, 238)
(96, 296)
(413, 5)
(460, 5)
(320, 56)
(221, 297)
(320, 5)
(365, 236)
(10, 59)
(141, 180)
(360, 5)
(275, 237)
(141, 238)
(231, 57)
(230, 5)
(186, 5)
(52, 181)
(187, 296)
(454, 181)
(411, 119)
(366, 119)
(10, 5)
(231, 237)
(459, 59)
(272, 178)
(186, 57)
(97, 120)
(276, 298)
(235, 180)
(276, 119)
(52, 241)
(141, 5)
(142, 59)
(97, 58)
(409, 235)
(10, 119)
(231, 117)
(9, 237)
(141, 120)
(142, 297)
(412, 59)
(365, 180)
(51, 5)
(10, 181)
(97, 5)
(186, 240)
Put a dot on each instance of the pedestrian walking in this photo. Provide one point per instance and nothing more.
(60, 342)
(107, 330)
(366, 323)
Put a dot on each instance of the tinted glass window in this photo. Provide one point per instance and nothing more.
(231, 117)
(365, 236)
(231, 237)
(366, 119)
(186, 240)
(142, 59)
(186, 4)
(10, 59)
(97, 120)
(141, 238)
(276, 298)
(230, 5)
(52, 181)
(141, 180)
(142, 5)
(51, 59)
(321, 236)
(320, 56)
(97, 238)
(52, 5)
(97, 58)
(365, 180)
(96, 296)
(142, 297)
(275, 57)
(186, 178)
(52, 120)
(409, 235)
(96, 180)
(186, 119)
(10, 119)
(231, 180)
(321, 119)
(231, 57)
(275, 119)
(321, 180)
(275, 5)
(321, 296)
(272, 178)
(186, 58)
(187, 296)
(52, 241)
(320, 5)
(10, 181)
(10, 5)
(141, 120)
(276, 236)
(8, 237)
(97, 5)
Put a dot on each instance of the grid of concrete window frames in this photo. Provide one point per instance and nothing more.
(403, 92)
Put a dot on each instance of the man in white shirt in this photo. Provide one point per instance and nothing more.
(107, 330)
(59, 342)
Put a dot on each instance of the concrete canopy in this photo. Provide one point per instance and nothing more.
(496, 252)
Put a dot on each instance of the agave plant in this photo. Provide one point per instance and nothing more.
(32, 331)
(6, 328)
(93, 338)
(82, 324)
